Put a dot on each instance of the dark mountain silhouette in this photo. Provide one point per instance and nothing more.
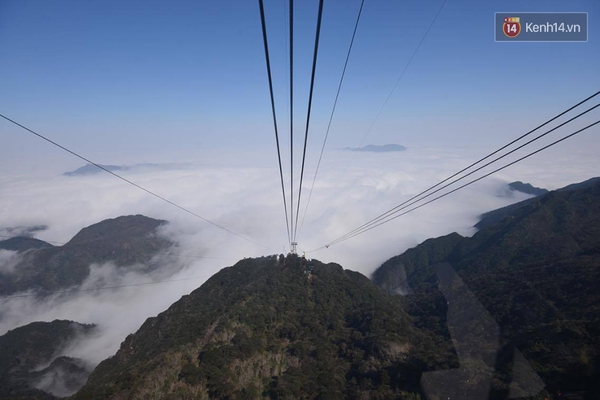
(280, 328)
(124, 241)
(91, 169)
(580, 185)
(386, 148)
(31, 365)
(534, 269)
(23, 243)
(495, 216)
(526, 188)
(512, 189)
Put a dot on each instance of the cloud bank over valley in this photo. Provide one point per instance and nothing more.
(247, 200)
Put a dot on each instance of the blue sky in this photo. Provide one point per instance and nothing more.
(150, 79)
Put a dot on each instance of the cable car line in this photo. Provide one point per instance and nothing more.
(310, 96)
(286, 51)
(291, 24)
(267, 58)
(104, 287)
(404, 71)
(416, 199)
(60, 244)
(404, 205)
(397, 82)
(465, 185)
(31, 237)
(131, 183)
(484, 158)
(332, 113)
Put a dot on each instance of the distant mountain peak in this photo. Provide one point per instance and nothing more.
(526, 188)
(90, 169)
(23, 243)
(373, 148)
(124, 241)
(494, 216)
(117, 229)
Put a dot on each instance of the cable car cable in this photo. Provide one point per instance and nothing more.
(267, 58)
(104, 287)
(404, 205)
(332, 113)
(397, 81)
(132, 183)
(468, 183)
(60, 244)
(291, 24)
(310, 96)
(485, 158)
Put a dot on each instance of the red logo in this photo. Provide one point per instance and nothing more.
(511, 26)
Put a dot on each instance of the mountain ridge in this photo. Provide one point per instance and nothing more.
(535, 271)
(91, 169)
(23, 243)
(527, 188)
(373, 148)
(23, 350)
(494, 216)
(279, 327)
(125, 240)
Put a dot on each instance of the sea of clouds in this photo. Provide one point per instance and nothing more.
(244, 195)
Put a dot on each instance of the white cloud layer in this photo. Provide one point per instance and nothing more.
(247, 200)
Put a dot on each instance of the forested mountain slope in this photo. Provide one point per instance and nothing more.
(125, 240)
(270, 327)
(536, 272)
(30, 364)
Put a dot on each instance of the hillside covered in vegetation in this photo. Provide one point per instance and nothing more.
(30, 363)
(279, 328)
(536, 274)
(124, 241)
